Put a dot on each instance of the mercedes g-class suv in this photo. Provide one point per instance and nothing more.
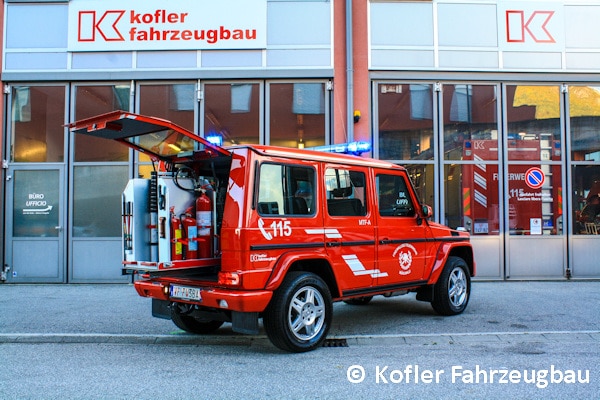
(242, 233)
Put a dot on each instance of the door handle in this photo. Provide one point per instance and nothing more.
(58, 228)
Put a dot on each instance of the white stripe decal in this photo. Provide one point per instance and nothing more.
(333, 234)
(358, 269)
(480, 180)
(329, 233)
(481, 198)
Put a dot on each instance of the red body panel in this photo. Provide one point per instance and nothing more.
(242, 301)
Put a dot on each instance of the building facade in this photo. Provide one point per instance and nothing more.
(491, 105)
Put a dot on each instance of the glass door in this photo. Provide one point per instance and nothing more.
(584, 161)
(472, 190)
(35, 184)
(99, 173)
(536, 245)
(35, 231)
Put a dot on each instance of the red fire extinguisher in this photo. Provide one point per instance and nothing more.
(176, 243)
(204, 223)
(190, 229)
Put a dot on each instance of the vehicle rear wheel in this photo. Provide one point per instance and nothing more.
(359, 301)
(192, 324)
(299, 314)
(453, 288)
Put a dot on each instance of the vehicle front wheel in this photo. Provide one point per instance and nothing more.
(299, 314)
(192, 324)
(453, 288)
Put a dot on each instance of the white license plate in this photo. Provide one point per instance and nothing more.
(185, 293)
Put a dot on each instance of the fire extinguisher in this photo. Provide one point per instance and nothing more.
(176, 243)
(190, 230)
(204, 223)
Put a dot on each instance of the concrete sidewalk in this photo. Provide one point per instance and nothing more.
(506, 311)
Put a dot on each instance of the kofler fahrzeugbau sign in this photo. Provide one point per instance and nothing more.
(167, 25)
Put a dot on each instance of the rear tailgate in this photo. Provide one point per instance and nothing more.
(158, 138)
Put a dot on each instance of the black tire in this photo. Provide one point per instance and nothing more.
(453, 288)
(191, 324)
(299, 314)
(359, 301)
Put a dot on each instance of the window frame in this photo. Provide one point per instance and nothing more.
(287, 187)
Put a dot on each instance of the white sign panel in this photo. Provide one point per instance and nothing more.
(110, 25)
(535, 226)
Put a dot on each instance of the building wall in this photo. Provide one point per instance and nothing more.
(433, 52)
(524, 70)
(508, 36)
(287, 46)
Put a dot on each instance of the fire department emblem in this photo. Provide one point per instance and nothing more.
(405, 253)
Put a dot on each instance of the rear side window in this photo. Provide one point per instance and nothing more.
(345, 192)
(286, 190)
(393, 196)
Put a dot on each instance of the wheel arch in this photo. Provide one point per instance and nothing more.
(319, 266)
(464, 251)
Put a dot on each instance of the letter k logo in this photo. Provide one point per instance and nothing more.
(106, 26)
(535, 27)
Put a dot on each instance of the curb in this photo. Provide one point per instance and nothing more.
(360, 340)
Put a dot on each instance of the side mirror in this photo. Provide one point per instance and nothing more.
(427, 211)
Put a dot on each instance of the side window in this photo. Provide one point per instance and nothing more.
(286, 190)
(345, 192)
(393, 196)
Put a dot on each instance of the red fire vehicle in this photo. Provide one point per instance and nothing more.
(535, 192)
(246, 232)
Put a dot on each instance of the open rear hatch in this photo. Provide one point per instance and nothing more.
(158, 138)
(176, 147)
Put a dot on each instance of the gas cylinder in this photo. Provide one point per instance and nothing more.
(176, 236)
(204, 223)
(190, 229)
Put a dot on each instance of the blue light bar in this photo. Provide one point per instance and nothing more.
(355, 148)
(217, 140)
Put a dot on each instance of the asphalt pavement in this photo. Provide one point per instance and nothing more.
(517, 340)
(505, 311)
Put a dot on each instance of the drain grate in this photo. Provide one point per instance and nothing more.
(335, 343)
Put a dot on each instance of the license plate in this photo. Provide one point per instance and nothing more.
(185, 293)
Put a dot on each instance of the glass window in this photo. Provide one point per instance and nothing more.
(472, 198)
(584, 119)
(97, 200)
(345, 192)
(584, 113)
(37, 119)
(533, 114)
(405, 115)
(586, 203)
(394, 197)
(297, 114)
(421, 176)
(535, 199)
(173, 102)
(470, 122)
(232, 111)
(94, 100)
(286, 190)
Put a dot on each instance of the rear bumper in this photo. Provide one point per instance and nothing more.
(224, 299)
